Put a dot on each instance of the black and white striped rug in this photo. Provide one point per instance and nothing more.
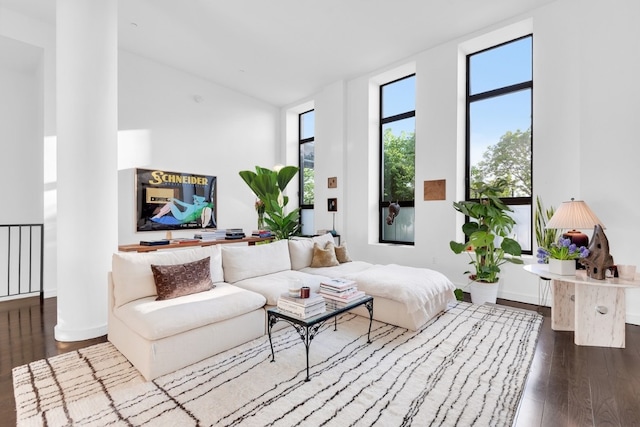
(466, 367)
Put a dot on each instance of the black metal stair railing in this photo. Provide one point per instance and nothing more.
(21, 260)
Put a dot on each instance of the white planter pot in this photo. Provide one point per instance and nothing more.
(482, 292)
(562, 267)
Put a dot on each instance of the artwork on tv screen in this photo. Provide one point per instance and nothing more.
(174, 200)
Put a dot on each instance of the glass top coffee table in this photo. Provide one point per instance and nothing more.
(308, 328)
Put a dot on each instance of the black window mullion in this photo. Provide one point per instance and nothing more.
(382, 203)
(301, 142)
(494, 93)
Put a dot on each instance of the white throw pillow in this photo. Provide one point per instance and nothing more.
(133, 278)
(243, 262)
(301, 251)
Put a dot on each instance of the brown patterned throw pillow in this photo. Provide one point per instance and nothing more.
(324, 257)
(176, 280)
(342, 254)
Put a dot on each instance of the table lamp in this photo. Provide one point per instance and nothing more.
(573, 215)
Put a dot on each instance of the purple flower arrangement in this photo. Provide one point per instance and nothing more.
(563, 249)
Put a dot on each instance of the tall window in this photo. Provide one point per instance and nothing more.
(397, 145)
(499, 123)
(306, 140)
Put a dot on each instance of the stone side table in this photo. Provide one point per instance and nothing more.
(593, 309)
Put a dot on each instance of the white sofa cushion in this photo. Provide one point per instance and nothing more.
(271, 286)
(301, 250)
(132, 276)
(154, 320)
(243, 262)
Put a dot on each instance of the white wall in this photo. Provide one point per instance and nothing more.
(163, 126)
(27, 126)
(329, 152)
(585, 109)
(21, 136)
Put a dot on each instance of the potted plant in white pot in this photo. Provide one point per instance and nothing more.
(561, 256)
(487, 242)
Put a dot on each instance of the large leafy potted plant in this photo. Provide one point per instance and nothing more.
(487, 242)
(268, 185)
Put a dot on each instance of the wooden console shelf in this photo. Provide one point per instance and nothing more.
(143, 248)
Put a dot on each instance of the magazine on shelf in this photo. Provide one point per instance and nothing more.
(185, 240)
(210, 235)
(234, 234)
(154, 242)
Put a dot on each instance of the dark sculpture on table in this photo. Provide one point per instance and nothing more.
(599, 259)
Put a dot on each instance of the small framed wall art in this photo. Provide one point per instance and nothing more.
(332, 182)
(332, 205)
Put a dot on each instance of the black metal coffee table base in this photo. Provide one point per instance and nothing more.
(308, 328)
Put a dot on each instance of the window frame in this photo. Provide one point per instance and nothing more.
(382, 204)
(301, 142)
(494, 93)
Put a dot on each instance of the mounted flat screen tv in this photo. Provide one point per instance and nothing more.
(174, 200)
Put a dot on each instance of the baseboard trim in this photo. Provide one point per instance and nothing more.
(65, 335)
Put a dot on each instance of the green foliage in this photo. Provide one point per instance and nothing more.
(508, 162)
(544, 237)
(459, 294)
(268, 185)
(399, 166)
(491, 222)
(308, 185)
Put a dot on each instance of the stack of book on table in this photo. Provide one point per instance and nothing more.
(339, 292)
(302, 307)
(211, 235)
(154, 242)
(234, 233)
(261, 233)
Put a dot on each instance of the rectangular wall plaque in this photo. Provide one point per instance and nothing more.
(435, 189)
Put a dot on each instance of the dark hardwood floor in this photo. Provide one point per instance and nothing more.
(26, 335)
(567, 385)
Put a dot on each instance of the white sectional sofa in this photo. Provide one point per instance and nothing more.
(159, 337)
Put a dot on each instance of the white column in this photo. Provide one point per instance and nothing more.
(87, 128)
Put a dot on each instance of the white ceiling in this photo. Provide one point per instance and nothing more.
(282, 51)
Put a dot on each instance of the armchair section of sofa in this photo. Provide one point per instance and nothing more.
(159, 337)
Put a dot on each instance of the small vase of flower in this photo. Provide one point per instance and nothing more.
(562, 256)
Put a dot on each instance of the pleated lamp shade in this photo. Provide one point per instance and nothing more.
(572, 215)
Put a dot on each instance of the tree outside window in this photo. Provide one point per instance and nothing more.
(397, 136)
(306, 140)
(499, 125)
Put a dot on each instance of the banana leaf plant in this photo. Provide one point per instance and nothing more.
(268, 185)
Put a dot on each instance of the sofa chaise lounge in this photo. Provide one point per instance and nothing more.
(161, 336)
